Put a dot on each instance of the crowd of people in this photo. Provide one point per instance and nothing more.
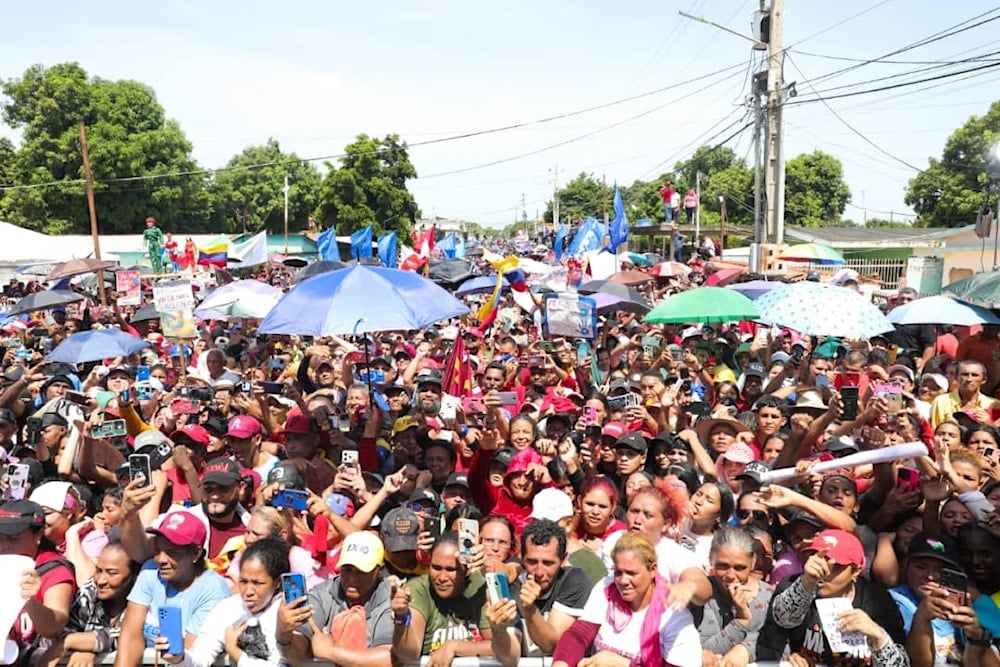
(279, 499)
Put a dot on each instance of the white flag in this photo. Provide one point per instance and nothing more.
(250, 252)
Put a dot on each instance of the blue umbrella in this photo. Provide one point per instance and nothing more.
(481, 285)
(360, 299)
(755, 288)
(94, 345)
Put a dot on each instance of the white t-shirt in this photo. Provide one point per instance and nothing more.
(680, 643)
(672, 558)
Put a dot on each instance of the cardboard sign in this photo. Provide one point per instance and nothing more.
(569, 315)
(173, 296)
(129, 287)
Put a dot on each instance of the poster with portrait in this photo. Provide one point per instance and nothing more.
(569, 315)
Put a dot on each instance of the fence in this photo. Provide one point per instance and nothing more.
(108, 659)
(888, 271)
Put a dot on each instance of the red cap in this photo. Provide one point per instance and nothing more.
(613, 430)
(193, 432)
(296, 422)
(181, 528)
(840, 546)
(243, 427)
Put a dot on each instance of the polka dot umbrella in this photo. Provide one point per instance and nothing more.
(822, 309)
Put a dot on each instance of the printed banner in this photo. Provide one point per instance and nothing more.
(171, 296)
(570, 315)
(128, 287)
(178, 324)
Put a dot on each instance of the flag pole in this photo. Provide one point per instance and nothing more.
(89, 181)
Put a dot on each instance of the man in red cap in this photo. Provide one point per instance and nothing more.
(244, 438)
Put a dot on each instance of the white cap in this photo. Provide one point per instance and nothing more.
(551, 504)
(51, 495)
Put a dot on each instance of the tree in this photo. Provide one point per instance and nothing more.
(129, 137)
(580, 198)
(735, 183)
(950, 191)
(815, 191)
(706, 159)
(369, 188)
(253, 199)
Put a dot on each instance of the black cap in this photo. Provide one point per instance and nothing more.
(941, 547)
(503, 457)
(426, 497)
(428, 376)
(53, 419)
(16, 516)
(754, 470)
(633, 441)
(458, 479)
(618, 384)
(382, 360)
(222, 470)
(216, 426)
(805, 517)
(7, 416)
(840, 444)
(755, 368)
(288, 475)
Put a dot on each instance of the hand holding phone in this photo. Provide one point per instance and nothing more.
(172, 627)
(293, 586)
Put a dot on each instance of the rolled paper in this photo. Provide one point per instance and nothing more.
(906, 450)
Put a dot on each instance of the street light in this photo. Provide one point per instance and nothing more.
(993, 174)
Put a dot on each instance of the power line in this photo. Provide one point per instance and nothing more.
(838, 24)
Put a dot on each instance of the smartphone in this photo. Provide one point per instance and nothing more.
(172, 627)
(244, 387)
(534, 361)
(589, 416)
(349, 457)
(468, 538)
(582, 353)
(272, 387)
(356, 357)
(677, 354)
(275, 364)
(849, 397)
(292, 499)
(473, 405)
(446, 435)
(432, 525)
(143, 392)
(989, 453)
(139, 468)
(142, 374)
(616, 403)
(908, 479)
(593, 432)
(650, 345)
(126, 396)
(632, 400)
(293, 586)
(823, 381)
(17, 480)
(24, 355)
(77, 398)
(957, 584)
(894, 400)
(508, 397)
(185, 406)
(497, 587)
(447, 411)
(373, 375)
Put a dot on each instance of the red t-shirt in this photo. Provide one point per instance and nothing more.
(23, 630)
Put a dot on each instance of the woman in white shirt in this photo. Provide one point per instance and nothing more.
(243, 626)
(626, 620)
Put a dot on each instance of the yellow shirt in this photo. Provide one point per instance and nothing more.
(946, 405)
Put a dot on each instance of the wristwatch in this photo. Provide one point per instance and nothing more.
(986, 639)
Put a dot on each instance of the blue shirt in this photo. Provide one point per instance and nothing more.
(195, 601)
(946, 648)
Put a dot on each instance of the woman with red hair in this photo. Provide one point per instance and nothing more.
(595, 515)
(659, 513)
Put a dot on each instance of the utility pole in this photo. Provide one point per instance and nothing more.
(697, 211)
(775, 164)
(88, 177)
(524, 214)
(555, 199)
(722, 224)
(286, 214)
(604, 199)
(759, 90)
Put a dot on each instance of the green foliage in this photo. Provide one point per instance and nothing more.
(369, 188)
(128, 134)
(815, 191)
(642, 200)
(950, 191)
(706, 159)
(887, 224)
(254, 199)
(580, 198)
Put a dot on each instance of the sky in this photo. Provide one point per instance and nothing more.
(313, 75)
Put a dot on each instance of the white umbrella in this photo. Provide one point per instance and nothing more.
(242, 298)
(821, 309)
(941, 310)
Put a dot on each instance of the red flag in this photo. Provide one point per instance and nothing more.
(458, 370)
(425, 243)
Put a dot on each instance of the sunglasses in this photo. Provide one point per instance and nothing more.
(758, 515)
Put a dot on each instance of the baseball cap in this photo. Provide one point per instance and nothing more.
(215, 425)
(938, 379)
(754, 470)
(181, 528)
(633, 441)
(299, 423)
(426, 497)
(52, 495)
(842, 547)
(613, 430)
(457, 479)
(7, 416)
(399, 529)
(805, 517)
(53, 419)
(900, 368)
(941, 547)
(551, 504)
(840, 444)
(404, 423)
(756, 369)
(222, 470)
(363, 550)
(148, 438)
(428, 376)
(193, 432)
(243, 427)
(288, 475)
(17, 516)
(502, 457)
(739, 452)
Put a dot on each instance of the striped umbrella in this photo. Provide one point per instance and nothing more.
(812, 252)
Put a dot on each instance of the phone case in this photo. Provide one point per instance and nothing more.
(293, 498)
(139, 466)
(293, 586)
(17, 478)
(172, 627)
(468, 537)
(497, 588)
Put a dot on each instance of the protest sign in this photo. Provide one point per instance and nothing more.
(570, 315)
(172, 296)
(128, 287)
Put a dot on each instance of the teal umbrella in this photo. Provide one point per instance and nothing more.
(704, 304)
(981, 289)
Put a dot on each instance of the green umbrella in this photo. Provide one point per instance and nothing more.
(981, 289)
(704, 304)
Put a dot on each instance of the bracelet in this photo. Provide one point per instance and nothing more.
(403, 620)
(281, 643)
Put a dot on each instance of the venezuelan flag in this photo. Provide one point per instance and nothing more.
(215, 253)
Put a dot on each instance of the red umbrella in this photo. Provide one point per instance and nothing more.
(723, 277)
(630, 278)
(670, 269)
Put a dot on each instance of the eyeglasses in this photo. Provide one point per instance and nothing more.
(495, 541)
(758, 515)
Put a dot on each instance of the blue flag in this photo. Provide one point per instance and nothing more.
(588, 237)
(460, 248)
(388, 249)
(326, 243)
(361, 243)
(561, 235)
(448, 245)
(618, 228)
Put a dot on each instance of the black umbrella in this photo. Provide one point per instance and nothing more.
(316, 268)
(44, 301)
(146, 313)
(607, 287)
(450, 272)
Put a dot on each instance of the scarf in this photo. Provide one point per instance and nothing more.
(619, 615)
